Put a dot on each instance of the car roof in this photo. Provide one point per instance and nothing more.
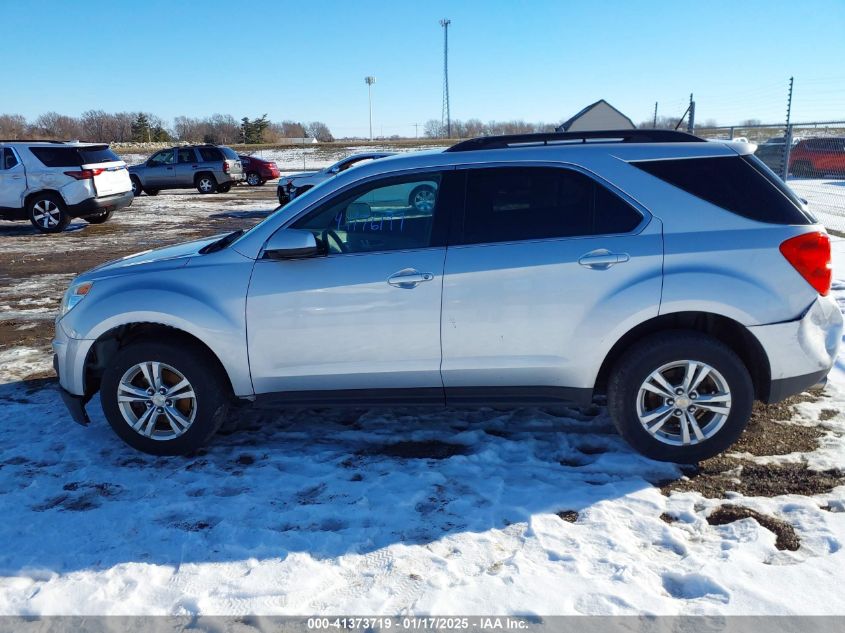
(43, 143)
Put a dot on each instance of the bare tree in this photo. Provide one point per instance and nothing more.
(12, 126)
(58, 126)
(320, 131)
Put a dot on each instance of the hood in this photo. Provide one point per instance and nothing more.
(299, 174)
(174, 256)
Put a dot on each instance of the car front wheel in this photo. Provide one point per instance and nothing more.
(164, 398)
(136, 186)
(680, 397)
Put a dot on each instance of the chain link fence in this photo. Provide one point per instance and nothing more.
(810, 156)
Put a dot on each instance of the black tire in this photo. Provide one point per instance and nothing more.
(136, 186)
(205, 183)
(657, 351)
(151, 192)
(207, 379)
(419, 203)
(99, 218)
(803, 169)
(47, 212)
(224, 188)
(253, 179)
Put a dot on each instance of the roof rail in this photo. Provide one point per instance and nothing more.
(30, 140)
(554, 138)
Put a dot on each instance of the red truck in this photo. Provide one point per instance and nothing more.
(258, 171)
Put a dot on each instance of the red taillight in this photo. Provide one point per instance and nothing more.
(810, 255)
(84, 174)
(225, 167)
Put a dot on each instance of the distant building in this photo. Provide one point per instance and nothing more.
(597, 116)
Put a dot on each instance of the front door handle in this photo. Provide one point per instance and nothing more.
(602, 259)
(408, 278)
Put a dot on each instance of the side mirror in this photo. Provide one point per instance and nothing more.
(291, 244)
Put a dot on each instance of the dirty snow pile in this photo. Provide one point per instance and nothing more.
(393, 512)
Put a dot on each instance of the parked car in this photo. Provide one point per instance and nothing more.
(51, 182)
(771, 152)
(209, 168)
(296, 184)
(678, 277)
(258, 171)
(815, 157)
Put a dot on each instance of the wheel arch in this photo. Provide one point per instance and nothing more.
(31, 194)
(111, 341)
(722, 328)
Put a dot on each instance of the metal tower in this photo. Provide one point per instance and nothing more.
(445, 118)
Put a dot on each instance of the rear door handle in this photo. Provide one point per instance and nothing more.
(408, 278)
(602, 259)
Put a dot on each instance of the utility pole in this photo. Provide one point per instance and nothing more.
(655, 115)
(416, 130)
(691, 120)
(370, 80)
(445, 117)
(787, 137)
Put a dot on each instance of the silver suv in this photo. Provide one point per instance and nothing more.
(209, 168)
(680, 278)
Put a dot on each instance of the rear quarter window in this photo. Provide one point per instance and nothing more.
(97, 155)
(210, 154)
(739, 184)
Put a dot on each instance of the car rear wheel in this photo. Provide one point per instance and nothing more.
(680, 396)
(422, 198)
(164, 398)
(224, 188)
(47, 213)
(253, 179)
(99, 218)
(136, 186)
(206, 183)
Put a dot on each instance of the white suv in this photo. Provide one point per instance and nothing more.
(50, 182)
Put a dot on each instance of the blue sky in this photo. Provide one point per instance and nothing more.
(537, 61)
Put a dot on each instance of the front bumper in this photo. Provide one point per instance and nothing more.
(95, 206)
(801, 352)
(75, 404)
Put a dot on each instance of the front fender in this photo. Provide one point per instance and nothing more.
(207, 302)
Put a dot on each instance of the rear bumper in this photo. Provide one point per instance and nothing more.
(95, 206)
(801, 352)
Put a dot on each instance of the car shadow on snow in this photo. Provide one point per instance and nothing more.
(255, 213)
(21, 229)
(322, 482)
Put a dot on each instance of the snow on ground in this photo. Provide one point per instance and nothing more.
(826, 197)
(474, 511)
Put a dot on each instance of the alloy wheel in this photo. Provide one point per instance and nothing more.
(253, 179)
(46, 214)
(156, 400)
(206, 186)
(683, 403)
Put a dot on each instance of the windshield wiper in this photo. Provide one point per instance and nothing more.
(222, 243)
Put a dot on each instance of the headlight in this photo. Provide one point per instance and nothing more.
(74, 295)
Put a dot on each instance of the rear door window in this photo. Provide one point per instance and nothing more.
(740, 184)
(531, 203)
(186, 155)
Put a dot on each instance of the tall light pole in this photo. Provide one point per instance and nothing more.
(370, 80)
(445, 116)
